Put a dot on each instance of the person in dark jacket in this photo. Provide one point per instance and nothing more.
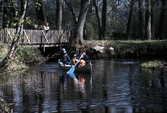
(65, 58)
(84, 55)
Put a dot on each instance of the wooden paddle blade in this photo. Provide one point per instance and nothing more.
(71, 70)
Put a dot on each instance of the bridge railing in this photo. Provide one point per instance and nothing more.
(35, 37)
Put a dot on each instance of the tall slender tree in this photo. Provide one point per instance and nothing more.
(148, 34)
(104, 17)
(152, 18)
(101, 21)
(59, 14)
(98, 19)
(161, 20)
(129, 25)
(141, 18)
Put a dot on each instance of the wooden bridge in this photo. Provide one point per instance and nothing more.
(37, 37)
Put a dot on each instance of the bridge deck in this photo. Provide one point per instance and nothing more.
(37, 37)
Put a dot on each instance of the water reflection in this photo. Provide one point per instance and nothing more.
(117, 85)
(83, 86)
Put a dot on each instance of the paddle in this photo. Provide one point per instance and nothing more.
(72, 75)
(72, 69)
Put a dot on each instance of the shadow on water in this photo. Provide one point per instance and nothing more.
(114, 86)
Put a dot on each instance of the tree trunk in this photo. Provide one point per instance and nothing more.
(15, 42)
(98, 19)
(148, 20)
(128, 31)
(141, 19)
(104, 16)
(59, 14)
(161, 20)
(152, 18)
(81, 21)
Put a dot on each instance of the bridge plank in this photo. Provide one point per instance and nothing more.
(37, 37)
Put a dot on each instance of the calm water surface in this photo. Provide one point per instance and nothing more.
(114, 86)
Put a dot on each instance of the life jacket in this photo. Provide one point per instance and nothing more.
(64, 57)
(82, 63)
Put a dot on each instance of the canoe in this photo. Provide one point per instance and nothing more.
(85, 69)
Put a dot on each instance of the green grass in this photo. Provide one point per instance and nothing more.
(152, 64)
(24, 55)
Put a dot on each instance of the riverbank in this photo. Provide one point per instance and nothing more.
(120, 49)
(24, 57)
(128, 49)
(154, 49)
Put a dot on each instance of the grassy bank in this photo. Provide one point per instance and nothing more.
(141, 49)
(25, 56)
(154, 64)
(134, 48)
(154, 49)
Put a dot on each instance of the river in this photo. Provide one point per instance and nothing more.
(114, 86)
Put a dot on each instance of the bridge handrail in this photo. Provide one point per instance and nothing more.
(36, 36)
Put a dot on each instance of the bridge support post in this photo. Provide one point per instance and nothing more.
(42, 46)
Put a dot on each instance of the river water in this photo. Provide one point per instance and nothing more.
(114, 86)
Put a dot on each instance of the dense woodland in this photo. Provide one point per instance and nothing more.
(91, 19)
(87, 19)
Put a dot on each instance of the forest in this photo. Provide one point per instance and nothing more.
(87, 19)
(91, 19)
